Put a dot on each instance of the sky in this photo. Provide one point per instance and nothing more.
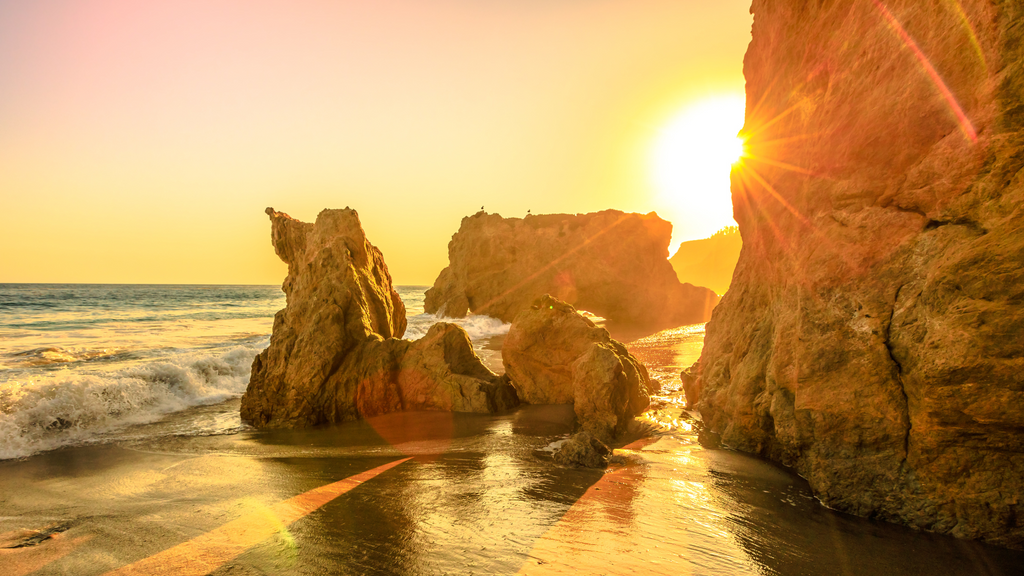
(140, 142)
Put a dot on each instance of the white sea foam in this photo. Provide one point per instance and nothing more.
(73, 407)
(554, 446)
(478, 327)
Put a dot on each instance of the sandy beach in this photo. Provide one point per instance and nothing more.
(480, 495)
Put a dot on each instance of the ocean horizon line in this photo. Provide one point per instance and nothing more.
(162, 284)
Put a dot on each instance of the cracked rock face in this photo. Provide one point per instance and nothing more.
(554, 355)
(873, 336)
(336, 354)
(610, 263)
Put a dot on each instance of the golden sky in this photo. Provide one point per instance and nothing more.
(141, 141)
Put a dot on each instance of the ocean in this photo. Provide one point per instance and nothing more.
(119, 428)
(82, 363)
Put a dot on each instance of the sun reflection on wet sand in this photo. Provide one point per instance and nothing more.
(640, 517)
(668, 352)
(422, 435)
(206, 553)
(492, 503)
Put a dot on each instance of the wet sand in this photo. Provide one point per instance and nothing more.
(478, 496)
(475, 496)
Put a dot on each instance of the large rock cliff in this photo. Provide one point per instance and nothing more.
(336, 354)
(873, 336)
(610, 263)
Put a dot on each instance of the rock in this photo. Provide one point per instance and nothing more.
(541, 346)
(335, 352)
(609, 263)
(709, 262)
(555, 355)
(608, 390)
(437, 372)
(689, 380)
(873, 335)
(582, 449)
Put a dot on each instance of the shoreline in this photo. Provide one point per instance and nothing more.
(665, 352)
(479, 493)
(157, 486)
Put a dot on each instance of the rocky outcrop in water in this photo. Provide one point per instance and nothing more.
(583, 450)
(873, 335)
(336, 353)
(609, 263)
(555, 355)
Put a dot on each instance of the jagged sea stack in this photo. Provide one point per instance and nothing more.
(611, 263)
(336, 353)
(873, 335)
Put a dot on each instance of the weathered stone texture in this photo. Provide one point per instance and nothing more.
(873, 336)
(610, 263)
(583, 450)
(335, 353)
(554, 355)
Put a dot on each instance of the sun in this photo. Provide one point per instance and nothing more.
(690, 162)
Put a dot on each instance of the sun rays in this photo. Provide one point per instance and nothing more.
(758, 153)
(690, 161)
(772, 181)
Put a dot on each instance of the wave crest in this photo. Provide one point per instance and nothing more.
(73, 408)
(478, 327)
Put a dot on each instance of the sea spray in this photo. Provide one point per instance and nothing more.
(478, 327)
(83, 364)
(71, 407)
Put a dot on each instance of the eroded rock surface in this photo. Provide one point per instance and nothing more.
(691, 389)
(873, 335)
(582, 449)
(610, 263)
(555, 355)
(336, 354)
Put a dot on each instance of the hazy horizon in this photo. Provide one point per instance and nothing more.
(141, 143)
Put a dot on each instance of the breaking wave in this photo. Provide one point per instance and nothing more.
(71, 407)
(478, 327)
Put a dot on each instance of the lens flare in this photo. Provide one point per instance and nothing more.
(965, 22)
(690, 163)
(208, 552)
(940, 85)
